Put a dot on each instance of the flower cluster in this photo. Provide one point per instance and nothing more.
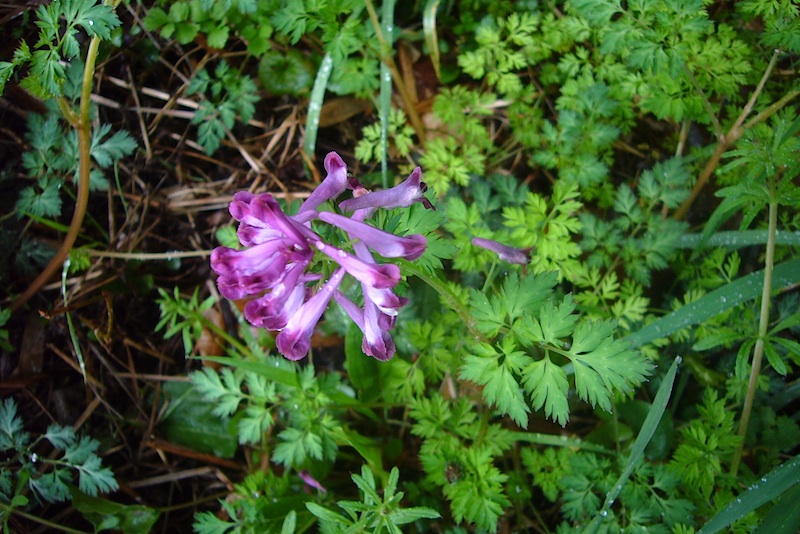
(272, 271)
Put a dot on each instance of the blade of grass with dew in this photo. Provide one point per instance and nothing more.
(70, 325)
(385, 97)
(552, 440)
(648, 429)
(769, 487)
(431, 36)
(738, 239)
(717, 301)
(262, 368)
(784, 516)
(315, 105)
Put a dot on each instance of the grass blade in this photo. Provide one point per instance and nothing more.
(431, 36)
(770, 487)
(315, 105)
(648, 429)
(738, 239)
(385, 97)
(739, 291)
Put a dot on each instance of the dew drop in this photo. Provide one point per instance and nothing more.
(604, 513)
(34, 458)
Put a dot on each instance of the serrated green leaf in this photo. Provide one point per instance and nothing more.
(190, 422)
(547, 384)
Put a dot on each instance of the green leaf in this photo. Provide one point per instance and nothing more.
(547, 384)
(496, 372)
(553, 323)
(713, 303)
(286, 73)
(156, 18)
(61, 437)
(274, 372)
(768, 488)
(130, 519)
(784, 516)
(363, 371)
(190, 422)
(326, 515)
(11, 433)
(604, 365)
(107, 152)
(98, 19)
(217, 37)
(46, 203)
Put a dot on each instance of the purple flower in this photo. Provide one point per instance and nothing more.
(294, 341)
(400, 196)
(274, 243)
(271, 270)
(504, 252)
(386, 244)
(331, 187)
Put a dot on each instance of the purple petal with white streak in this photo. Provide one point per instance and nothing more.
(386, 244)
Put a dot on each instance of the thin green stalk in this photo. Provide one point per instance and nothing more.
(733, 135)
(49, 524)
(763, 323)
(84, 129)
(440, 287)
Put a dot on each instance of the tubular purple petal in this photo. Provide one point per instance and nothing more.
(379, 276)
(386, 244)
(311, 481)
(294, 341)
(385, 299)
(377, 342)
(504, 252)
(351, 308)
(331, 187)
(400, 196)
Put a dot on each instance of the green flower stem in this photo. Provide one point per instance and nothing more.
(55, 526)
(452, 300)
(763, 323)
(84, 129)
